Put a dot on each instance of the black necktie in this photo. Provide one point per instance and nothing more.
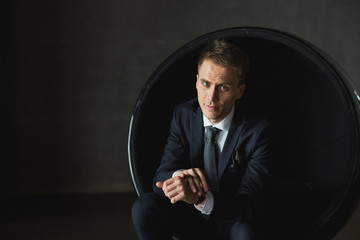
(210, 158)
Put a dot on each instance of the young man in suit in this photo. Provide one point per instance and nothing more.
(215, 163)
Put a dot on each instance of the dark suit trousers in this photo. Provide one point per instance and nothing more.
(155, 218)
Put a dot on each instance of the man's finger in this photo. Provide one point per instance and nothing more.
(193, 184)
(167, 188)
(203, 180)
(159, 184)
(196, 179)
(177, 198)
(173, 186)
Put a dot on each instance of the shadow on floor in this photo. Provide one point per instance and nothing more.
(90, 217)
(86, 217)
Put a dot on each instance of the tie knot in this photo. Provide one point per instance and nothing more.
(211, 133)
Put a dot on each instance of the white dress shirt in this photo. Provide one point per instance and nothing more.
(224, 126)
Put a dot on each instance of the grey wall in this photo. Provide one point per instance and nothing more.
(72, 71)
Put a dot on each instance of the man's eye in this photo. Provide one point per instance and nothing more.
(224, 88)
(206, 84)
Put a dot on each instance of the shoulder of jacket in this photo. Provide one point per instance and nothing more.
(191, 105)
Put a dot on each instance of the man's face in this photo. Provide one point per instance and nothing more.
(217, 89)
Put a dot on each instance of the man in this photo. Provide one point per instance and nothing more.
(215, 162)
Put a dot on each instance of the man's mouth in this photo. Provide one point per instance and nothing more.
(210, 107)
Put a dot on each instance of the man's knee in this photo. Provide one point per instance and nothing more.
(149, 216)
(142, 207)
(242, 230)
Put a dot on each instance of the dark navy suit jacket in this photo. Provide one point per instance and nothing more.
(243, 166)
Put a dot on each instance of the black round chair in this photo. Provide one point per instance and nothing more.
(315, 106)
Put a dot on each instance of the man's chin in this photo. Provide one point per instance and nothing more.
(212, 117)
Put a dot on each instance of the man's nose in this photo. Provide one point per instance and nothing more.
(213, 95)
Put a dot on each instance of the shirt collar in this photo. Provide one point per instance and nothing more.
(224, 125)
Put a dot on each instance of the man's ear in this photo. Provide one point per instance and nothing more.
(241, 90)
(197, 79)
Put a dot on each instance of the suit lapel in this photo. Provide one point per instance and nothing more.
(197, 138)
(230, 143)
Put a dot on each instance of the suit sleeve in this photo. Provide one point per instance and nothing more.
(242, 202)
(175, 154)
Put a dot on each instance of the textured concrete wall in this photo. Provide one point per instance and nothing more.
(72, 71)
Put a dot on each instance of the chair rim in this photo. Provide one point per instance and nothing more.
(352, 94)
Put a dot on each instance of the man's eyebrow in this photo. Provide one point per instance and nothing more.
(225, 82)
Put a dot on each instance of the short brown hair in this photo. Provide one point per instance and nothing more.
(226, 55)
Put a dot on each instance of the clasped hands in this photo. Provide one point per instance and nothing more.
(187, 185)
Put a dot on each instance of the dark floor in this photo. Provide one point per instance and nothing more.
(77, 217)
(87, 217)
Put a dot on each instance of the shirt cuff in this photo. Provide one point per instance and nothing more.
(208, 206)
(176, 172)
